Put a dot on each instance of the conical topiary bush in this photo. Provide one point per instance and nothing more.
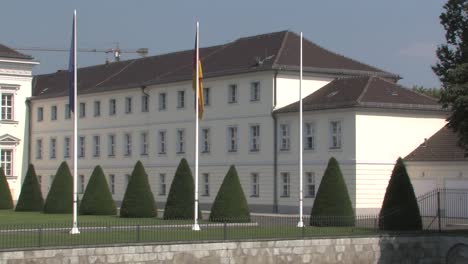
(30, 198)
(332, 205)
(138, 200)
(181, 198)
(400, 210)
(60, 197)
(230, 204)
(6, 202)
(97, 199)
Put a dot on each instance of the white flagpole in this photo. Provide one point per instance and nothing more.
(300, 223)
(75, 135)
(195, 226)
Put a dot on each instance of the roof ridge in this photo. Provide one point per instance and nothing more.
(261, 35)
(280, 50)
(364, 91)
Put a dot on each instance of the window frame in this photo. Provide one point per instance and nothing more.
(284, 137)
(128, 147)
(6, 109)
(7, 165)
(255, 184)
(254, 140)
(162, 101)
(128, 105)
(112, 107)
(338, 135)
(145, 103)
(312, 135)
(162, 142)
(233, 94)
(255, 91)
(96, 146)
(285, 184)
(232, 138)
(52, 148)
(180, 141)
(181, 99)
(97, 108)
(111, 145)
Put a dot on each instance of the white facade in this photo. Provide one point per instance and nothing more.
(15, 88)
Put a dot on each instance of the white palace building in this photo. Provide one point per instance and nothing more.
(143, 109)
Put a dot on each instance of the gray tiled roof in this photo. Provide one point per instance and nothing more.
(6, 52)
(442, 146)
(363, 91)
(273, 51)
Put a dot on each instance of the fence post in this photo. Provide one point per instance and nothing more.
(138, 233)
(438, 210)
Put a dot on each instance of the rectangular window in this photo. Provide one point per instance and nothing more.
(6, 161)
(205, 140)
(162, 184)
(82, 149)
(180, 141)
(66, 147)
(81, 186)
(111, 145)
(7, 106)
(255, 91)
(112, 183)
(53, 112)
(82, 110)
(128, 105)
(40, 114)
(128, 144)
(144, 143)
(285, 184)
(335, 134)
(162, 101)
(255, 138)
(53, 147)
(206, 96)
(232, 94)
(162, 142)
(97, 108)
(180, 99)
(67, 113)
(310, 184)
(145, 103)
(38, 149)
(255, 183)
(206, 184)
(112, 107)
(96, 146)
(309, 136)
(284, 137)
(232, 139)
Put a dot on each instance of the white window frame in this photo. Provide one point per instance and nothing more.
(40, 114)
(205, 140)
(232, 94)
(144, 144)
(39, 148)
(82, 147)
(128, 105)
(255, 184)
(96, 146)
(53, 113)
(206, 184)
(162, 142)
(66, 147)
(285, 137)
(336, 135)
(7, 109)
(254, 138)
(112, 183)
(310, 136)
(162, 184)
(181, 99)
(53, 148)
(112, 107)
(180, 147)
(145, 103)
(206, 96)
(111, 145)
(232, 139)
(310, 179)
(255, 91)
(285, 184)
(7, 161)
(97, 108)
(162, 101)
(127, 145)
(82, 110)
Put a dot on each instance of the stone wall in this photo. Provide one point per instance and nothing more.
(362, 250)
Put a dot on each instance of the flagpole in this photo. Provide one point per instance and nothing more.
(195, 226)
(75, 136)
(300, 223)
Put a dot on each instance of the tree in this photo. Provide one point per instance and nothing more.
(181, 198)
(138, 200)
(60, 197)
(452, 67)
(97, 199)
(332, 205)
(6, 202)
(230, 204)
(400, 209)
(30, 198)
(432, 92)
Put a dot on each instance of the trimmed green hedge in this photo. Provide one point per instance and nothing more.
(60, 197)
(181, 199)
(400, 210)
(6, 202)
(97, 199)
(332, 205)
(30, 198)
(230, 204)
(138, 200)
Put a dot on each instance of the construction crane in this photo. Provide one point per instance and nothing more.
(116, 52)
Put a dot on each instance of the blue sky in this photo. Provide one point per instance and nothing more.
(399, 36)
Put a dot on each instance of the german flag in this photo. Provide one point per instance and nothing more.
(197, 65)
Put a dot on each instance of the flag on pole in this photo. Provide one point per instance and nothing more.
(71, 71)
(197, 60)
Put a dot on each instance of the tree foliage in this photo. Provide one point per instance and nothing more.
(181, 198)
(6, 202)
(452, 67)
(60, 197)
(230, 204)
(400, 210)
(138, 200)
(432, 92)
(30, 198)
(332, 205)
(97, 199)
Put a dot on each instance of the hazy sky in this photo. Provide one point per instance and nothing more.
(399, 36)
